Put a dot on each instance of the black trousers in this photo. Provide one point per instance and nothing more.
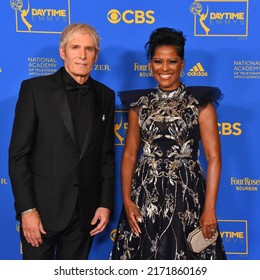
(72, 243)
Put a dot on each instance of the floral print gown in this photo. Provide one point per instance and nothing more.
(168, 185)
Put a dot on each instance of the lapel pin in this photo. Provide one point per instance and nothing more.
(103, 118)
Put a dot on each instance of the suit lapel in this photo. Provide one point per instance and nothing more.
(60, 98)
(64, 110)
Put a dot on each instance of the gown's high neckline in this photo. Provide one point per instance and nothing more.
(168, 94)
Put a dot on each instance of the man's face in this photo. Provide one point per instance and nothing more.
(79, 55)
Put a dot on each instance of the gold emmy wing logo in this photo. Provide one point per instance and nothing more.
(220, 17)
(17, 5)
(18, 228)
(120, 127)
(34, 17)
(113, 235)
(117, 127)
(196, 9)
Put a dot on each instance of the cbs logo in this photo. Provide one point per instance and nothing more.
(226, 128)
(130, 16)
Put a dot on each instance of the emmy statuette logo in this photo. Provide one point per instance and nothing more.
(196, 9)
(17, 5)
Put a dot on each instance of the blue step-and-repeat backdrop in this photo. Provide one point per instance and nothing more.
(222, 49)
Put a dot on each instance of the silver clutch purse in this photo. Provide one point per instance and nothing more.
(197, 242)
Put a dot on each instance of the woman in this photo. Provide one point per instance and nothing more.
(165, 193)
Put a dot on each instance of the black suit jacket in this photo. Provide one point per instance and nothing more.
(46, 169)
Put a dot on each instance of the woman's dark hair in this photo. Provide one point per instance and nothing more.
(165, 36)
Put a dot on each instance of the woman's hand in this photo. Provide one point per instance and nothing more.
(208, 222)
(133, 215)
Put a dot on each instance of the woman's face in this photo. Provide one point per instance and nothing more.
(167, 66)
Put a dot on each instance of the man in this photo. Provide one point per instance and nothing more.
(61, 155)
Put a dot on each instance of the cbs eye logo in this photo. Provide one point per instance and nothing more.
(130, 16)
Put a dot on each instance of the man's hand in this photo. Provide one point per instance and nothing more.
(32, 228)
(102, 218)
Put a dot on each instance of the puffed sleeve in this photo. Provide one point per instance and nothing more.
(205, 94)
(130, 98)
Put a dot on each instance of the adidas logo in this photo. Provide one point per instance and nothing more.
(197, 70)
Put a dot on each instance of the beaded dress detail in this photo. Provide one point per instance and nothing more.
(168, 184)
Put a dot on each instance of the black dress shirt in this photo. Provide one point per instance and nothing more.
(80, 99)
